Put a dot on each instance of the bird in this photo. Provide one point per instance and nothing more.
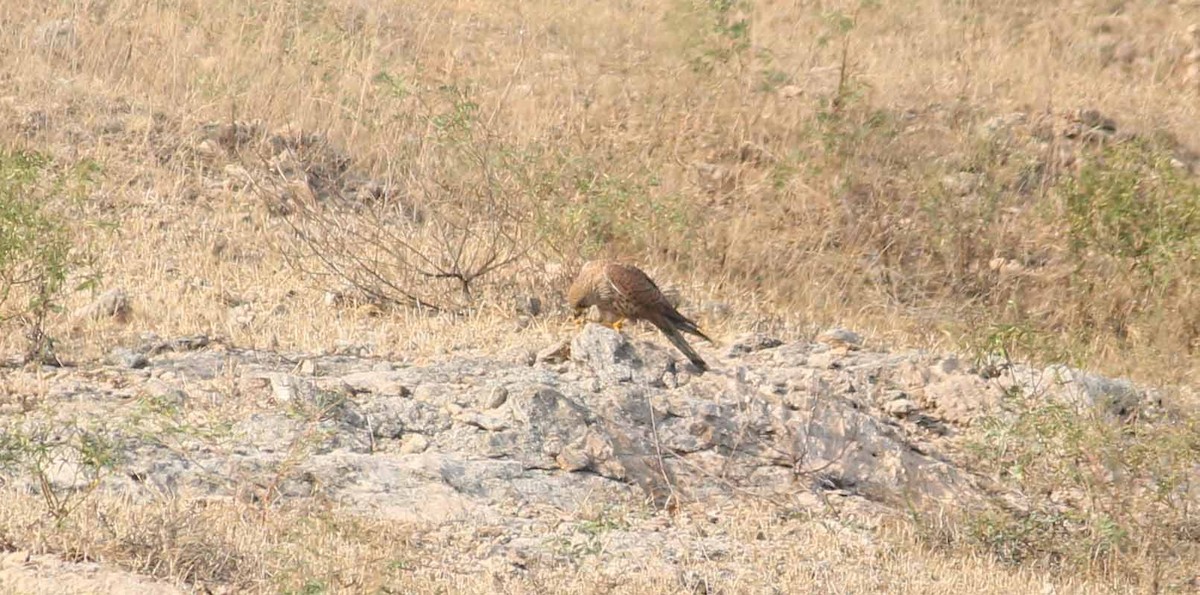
(622, 291)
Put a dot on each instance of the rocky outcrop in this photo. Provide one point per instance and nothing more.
(485, 440)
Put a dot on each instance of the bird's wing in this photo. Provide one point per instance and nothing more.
(637, 288)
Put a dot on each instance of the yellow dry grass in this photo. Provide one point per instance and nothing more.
(308, 549)
(643, 100)
(744, 165)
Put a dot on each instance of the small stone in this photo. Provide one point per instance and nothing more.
(751, 343)
(413, 444)
(900, 407)
(573, 460)
(206, 149)
(962, 183)
(241, 316)
(1006, 268)
(347, 347)
(113, 304)
(308, 367)
(497, 397)
(754, 153)
(1093, 120)
(790, 91)
(520, 356)
(521, 323)
(825, 360)
(556, 353)
(127, 358)
(164, 392)
(517, 558)
(715, 178)
(950, 365)
(111, 126)
(152, 345)
(529, 305)
(369, 310)
(283, 387)
(840, 337)
(999, 127)
(254, 383)
(481, 421)
(333, 298)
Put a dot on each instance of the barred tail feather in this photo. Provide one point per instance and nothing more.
(682, 345)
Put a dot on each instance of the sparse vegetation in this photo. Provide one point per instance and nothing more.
(453, 210)
(83, 454)
(1014, 182)
(36, 251)
(1111, 497)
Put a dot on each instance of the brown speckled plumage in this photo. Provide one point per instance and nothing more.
(624, 291)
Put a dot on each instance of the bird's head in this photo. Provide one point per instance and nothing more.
(579, 309)
(578, 299)
(581, 295)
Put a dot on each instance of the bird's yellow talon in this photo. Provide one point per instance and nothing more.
(618, 324)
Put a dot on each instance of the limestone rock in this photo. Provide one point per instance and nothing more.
(113, 304)
(840, 337)
(751, 343)
(556, 353)
(614, 360)
(128, 358)
(500, 447)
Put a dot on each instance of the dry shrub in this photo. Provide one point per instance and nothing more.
(38, 259)
(450, 212)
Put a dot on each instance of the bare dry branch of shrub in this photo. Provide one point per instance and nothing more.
(451, 212)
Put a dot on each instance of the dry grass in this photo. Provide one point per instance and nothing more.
(783, 161)
(795, 161)
(306, 549)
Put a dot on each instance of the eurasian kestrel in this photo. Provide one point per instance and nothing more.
(623, 291)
